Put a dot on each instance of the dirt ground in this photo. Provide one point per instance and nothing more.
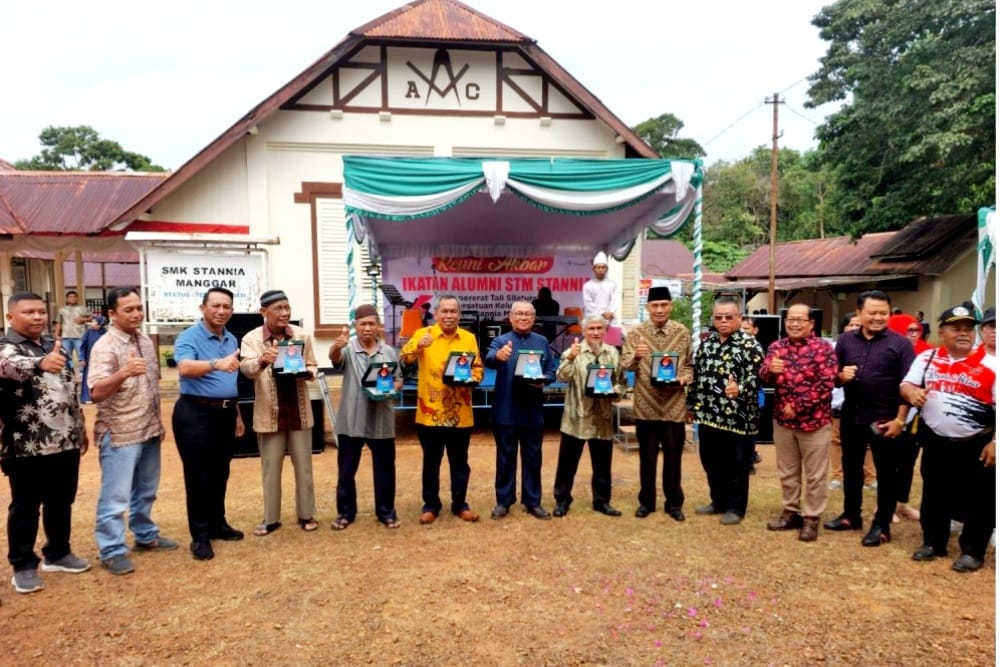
(582, 590)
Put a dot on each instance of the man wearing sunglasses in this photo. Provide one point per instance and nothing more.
(723, 400)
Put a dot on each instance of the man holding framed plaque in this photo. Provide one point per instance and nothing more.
(525, 364)
(659, 351)
(587, 417)
(444, 408)
(278, 356)
(371, 380)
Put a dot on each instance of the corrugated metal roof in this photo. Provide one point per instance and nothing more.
(926, 246)
(68, 202)
(813, 257)
(439, 20)
(663, 258)
(6, 166)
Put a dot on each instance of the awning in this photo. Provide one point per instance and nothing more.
(406, 207)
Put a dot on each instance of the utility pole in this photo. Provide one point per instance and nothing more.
(772, 306)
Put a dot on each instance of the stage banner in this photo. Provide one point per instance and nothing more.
(489, 285)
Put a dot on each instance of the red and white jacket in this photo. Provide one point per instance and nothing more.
(961, 393)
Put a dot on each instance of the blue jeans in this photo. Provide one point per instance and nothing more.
(130, 476)
(68, 346)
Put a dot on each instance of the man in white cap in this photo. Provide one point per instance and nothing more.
(600, 293)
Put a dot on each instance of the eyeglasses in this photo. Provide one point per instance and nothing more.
(913, 330)
(796, 320)
(522, 313)
(280, 309)
(723, 318)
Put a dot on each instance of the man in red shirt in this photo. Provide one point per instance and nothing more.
(953, 386)
(801, 368)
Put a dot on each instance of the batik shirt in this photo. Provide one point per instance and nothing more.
(39, 411)
(440, 404)
(658, 403)
(738, 356)
(806, 383)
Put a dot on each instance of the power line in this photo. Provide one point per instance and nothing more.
(728, 127)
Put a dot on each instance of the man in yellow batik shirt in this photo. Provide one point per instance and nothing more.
(444, 412)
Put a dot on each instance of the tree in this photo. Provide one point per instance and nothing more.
(661, 133)
(81, 148)
(918, 134)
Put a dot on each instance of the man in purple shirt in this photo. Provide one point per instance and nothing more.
(873, 361)
(801, 368)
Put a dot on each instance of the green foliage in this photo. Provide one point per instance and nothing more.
(737, 205)
(683, 312)
(81, 148)
(720, 256)
(661, 133)
(918, 135)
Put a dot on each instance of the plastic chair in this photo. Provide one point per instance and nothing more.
(412, 320)
(574, 329)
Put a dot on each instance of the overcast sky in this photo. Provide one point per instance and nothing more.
(164, 79)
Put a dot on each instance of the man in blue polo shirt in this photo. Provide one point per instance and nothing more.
(206, 420)
(518, 411)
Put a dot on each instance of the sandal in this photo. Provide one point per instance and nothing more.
(390, 523)
(263, 529)
(308, 525)
(340, 523)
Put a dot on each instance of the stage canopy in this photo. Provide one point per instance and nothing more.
(406, 207)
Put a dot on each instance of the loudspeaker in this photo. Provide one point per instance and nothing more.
(765, 429)
(240, 324)
(768, 329)
(247, 445)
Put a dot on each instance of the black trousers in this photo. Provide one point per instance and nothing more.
(854, 441)
(570, 451)
(529, 440)
(906, 450)
(206, 438)
(652, 437)
(46, 485)
(383, 473)
(957, 483)
(726, 457)
(435, 441)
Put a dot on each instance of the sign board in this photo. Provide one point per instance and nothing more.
(176, 281)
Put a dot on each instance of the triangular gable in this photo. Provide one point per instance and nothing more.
(416, 23)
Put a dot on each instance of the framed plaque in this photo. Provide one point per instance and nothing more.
(458, 369)
(379, 380)
(663, 369)
(600, 382)
(529, 366)
(290, 361)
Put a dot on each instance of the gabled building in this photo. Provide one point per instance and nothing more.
(434, 78)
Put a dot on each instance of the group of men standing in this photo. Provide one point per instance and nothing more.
(945, 395)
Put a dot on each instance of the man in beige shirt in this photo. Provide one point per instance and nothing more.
(123, 377)
(282, 411)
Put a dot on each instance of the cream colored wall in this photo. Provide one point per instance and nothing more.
(217, 194)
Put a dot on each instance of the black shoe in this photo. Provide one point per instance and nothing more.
(707, 509)
(227, 533)
(876, 537)
(538, 512)
(675, 513)
(561, 510)
(641, 512)
(202, 551)
(606, 508)
(756, 458)
(499, 512)
(967, 563)
(927, 552)
(843, 522)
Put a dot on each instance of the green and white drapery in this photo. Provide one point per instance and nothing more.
(402, 189)
(622, 198)
(985, 254)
